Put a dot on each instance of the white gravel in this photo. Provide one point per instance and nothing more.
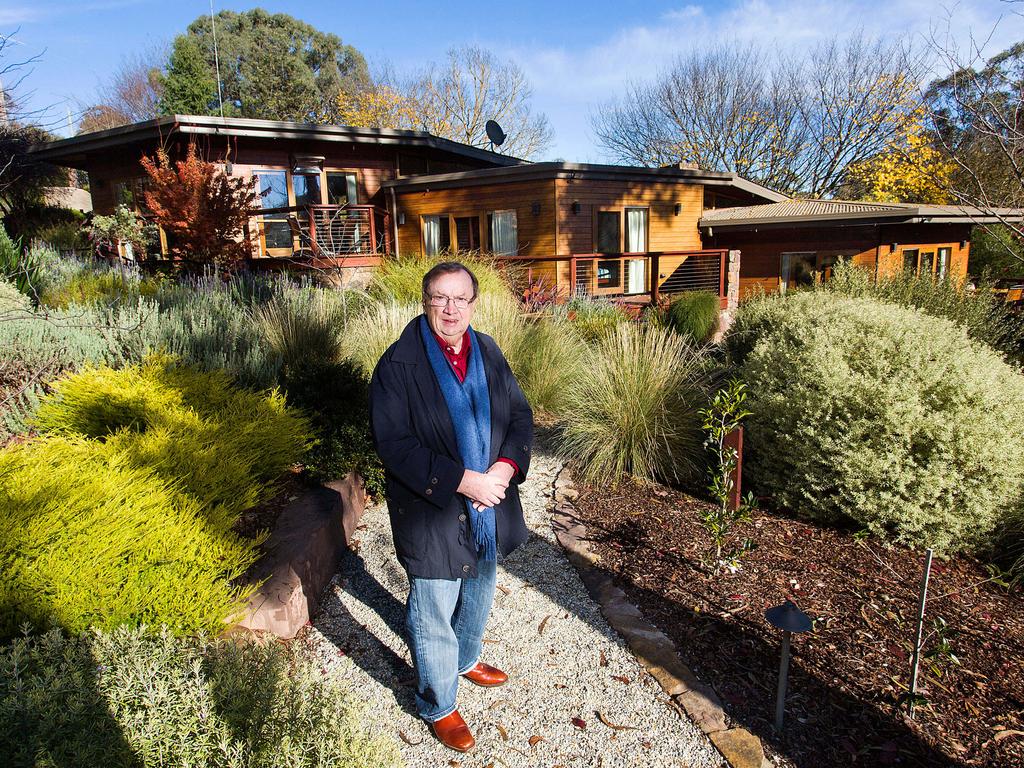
(555, 674)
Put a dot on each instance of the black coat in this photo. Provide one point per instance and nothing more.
(415, 439)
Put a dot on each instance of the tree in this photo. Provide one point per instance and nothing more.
(794, 124)
(976, 112)
(131, 95)
(456, 101)
(271, 66)
(378, 106)
(912, 170)
(188, 87)
(202, 210)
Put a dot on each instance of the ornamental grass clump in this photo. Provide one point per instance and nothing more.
(401, 280)
(592, 319)
(694, 315)
(122, 511)
(881, 416)
(636, 411)
(140, 699)
(376, 328)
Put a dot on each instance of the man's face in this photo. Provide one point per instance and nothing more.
(450, 321)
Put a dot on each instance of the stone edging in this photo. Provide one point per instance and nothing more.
(652, 648)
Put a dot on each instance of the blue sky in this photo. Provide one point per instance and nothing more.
(577, 55)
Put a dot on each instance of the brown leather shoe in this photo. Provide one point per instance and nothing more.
(486, 675)
(453, 732)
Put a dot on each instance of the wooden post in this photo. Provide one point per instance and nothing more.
(387, 232)
(572, 276)
(721, 273)
(655, 278)
(735, 440)
(311, 218)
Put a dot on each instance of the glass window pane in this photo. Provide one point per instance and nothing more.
(944, 258)
(910, 260)
(277, 234)
(608, 273)
(636, 230)
(341, 189)
(273, 189)
(609, 231)
(504, 234)
(927, 262)
(307, 189)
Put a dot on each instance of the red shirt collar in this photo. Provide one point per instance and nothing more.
(458, 360)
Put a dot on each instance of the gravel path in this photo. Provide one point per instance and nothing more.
(563, 661)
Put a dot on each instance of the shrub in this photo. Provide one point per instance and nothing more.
(65, 235)
(400, 280)
(880, 415)
(302, 328)
(984, 314)
(636, 410)
(592, 319)
(19, 267)
(694, 315)
(106, 287)
(132, 698)
(550, 359)
(123, 511)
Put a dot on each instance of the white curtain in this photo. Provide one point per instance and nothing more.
(636, 230)
(504, 238)
(636, 242)
(431, 235)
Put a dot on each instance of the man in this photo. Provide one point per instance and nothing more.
(454, 432)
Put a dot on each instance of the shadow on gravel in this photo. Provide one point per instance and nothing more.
(368, 652)
(823, 726)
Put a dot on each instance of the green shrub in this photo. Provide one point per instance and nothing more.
(107, 287)
(984, 314)
(302, 328)
(64, 235)
(123, 511)
(400, 280)
(549, 360)
(592, 319)
(18, 266)
(694, 315)
(134, 699)
(880, 415)
(636, 411)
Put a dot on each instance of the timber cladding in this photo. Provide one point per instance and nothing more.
(533, 201)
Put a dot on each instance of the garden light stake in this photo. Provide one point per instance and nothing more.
(789, 619)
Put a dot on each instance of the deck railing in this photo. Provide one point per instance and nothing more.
(326, 232)
(646, 275)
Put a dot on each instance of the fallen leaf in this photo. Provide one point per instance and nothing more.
(489, 640)
(496, 703)
(579, 723)
(544, 623)
(409, 741)
(535, 739)
(504, 590)
(645, 744)
(502, 731)
(604, 660)
(620, 678)
(613, 726)
(454, 763)
(1007, 734)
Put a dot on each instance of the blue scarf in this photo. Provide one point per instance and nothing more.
(469, 405)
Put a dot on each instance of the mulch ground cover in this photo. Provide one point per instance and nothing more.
(850, 674)
(263, 517)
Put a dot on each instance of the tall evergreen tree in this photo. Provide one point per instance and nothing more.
(189, 87)
(272, 66)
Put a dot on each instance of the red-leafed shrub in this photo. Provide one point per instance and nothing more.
(202, 210)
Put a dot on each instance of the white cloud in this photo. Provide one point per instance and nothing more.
(570, 80)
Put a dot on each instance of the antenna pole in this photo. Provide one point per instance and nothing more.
(216, 60)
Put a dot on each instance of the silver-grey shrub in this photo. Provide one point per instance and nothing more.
(879, 415)
(133, 698)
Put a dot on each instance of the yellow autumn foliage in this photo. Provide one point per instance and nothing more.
(912, 170)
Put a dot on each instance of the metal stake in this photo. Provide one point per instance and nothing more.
(920, 629)
(780, 701)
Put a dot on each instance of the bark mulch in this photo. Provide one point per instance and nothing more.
(848, 675)
(263, 517)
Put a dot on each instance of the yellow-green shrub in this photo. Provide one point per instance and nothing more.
(134, 699)
(401, 279)
(122, 511)
(98, 287)
(881, 415)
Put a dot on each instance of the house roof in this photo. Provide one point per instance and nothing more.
(75, 147)
(528, 171)
(809, 212)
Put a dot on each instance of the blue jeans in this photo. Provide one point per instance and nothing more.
(445, 621)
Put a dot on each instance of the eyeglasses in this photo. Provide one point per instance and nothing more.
(436, 300)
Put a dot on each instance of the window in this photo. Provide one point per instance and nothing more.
(504, 236)
(273, 191)
(307, 191)
(910, 260)
(927, 262)
(467, 233)
(636, 242)
(797, 269)
(437, 236)
(942, 268)
(609, 232)
(342, 188)
(609, 274)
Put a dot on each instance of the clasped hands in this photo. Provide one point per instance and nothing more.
(486, 489)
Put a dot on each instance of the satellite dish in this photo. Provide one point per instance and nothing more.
(494, 133)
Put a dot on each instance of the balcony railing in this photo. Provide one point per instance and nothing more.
(647, 275)
(322, 232)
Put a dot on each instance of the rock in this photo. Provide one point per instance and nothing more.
(739, 747)
(302, 556)
(704, 708)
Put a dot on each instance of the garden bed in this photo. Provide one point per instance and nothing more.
(849, 674)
